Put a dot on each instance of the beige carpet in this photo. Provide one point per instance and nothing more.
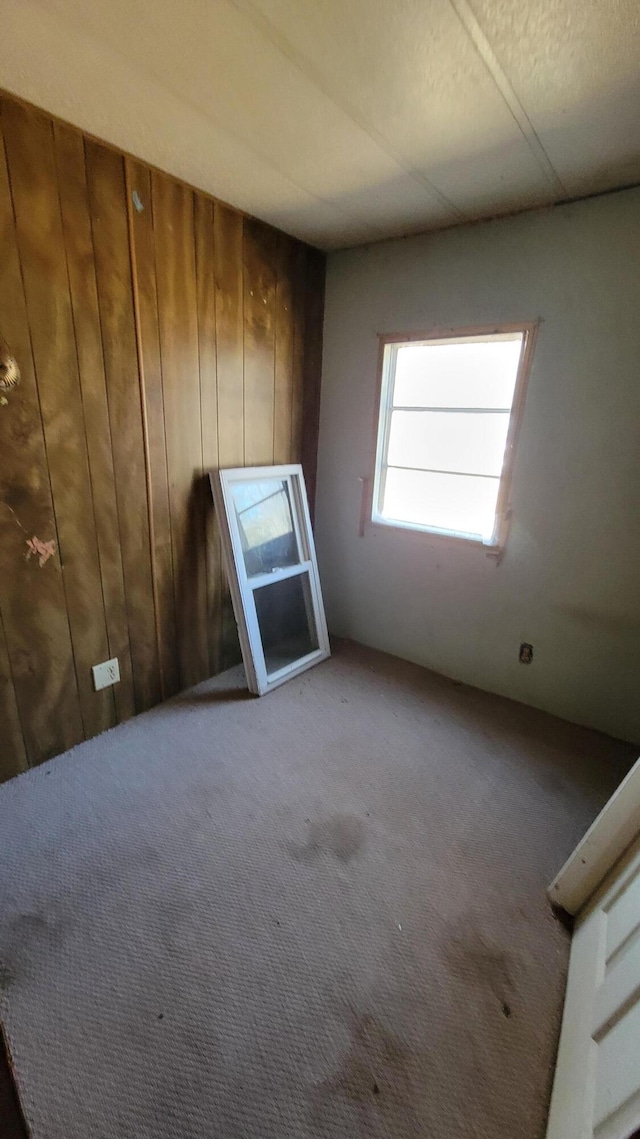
(319, 914)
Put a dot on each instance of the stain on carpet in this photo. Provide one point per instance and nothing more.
(376, 1077)
(483, 964)
(27, 927)
(19, 935)
(340, 835)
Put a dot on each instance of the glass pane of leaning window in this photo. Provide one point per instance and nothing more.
(287, 626)
(265, 522)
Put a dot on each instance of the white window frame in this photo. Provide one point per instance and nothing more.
(242, 586)
(389, 343)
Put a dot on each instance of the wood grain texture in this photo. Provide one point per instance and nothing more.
(229, 335)
(173, 217)
(228, 270)
(13, 753)
(32, 598)
(284, 349)
(297, 379)
(206, 298)
(138, 180)
(259, 261)
(259, 281)
(74, 202)
(105, 174)
(30, 151)
(312, 368)
(158, 337)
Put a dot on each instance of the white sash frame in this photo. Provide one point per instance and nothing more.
(243, 587)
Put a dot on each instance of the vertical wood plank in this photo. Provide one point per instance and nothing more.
(146, 302)
(227, 252)
(297, 384)
(74, 202)
(178, 321)
(105, 176)
(313, 322)
(29, 143)
(203, 219)
(284, 331)
(31, 597)
(229, 334)
(13, 753)
(259, 254)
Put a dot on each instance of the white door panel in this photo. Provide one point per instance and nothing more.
(597, 1084)
(623, 917)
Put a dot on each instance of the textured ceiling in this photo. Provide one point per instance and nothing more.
(344, 121)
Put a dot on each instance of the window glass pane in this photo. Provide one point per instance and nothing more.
(448, 502)
(265, 521)
(285, 617)
(449, 440)
(478, 374)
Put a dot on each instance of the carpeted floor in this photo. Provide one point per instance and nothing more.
(318, 914)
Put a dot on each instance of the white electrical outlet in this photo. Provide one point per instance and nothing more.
(106, 673)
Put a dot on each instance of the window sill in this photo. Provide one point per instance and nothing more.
(493, 550)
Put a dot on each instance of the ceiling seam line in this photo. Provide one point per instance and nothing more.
(251, 149)
(472, 27)
(247, 146)
(309, 72)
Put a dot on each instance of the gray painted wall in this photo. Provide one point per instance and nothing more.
(570, 578)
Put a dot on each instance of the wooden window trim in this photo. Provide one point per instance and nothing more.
(529, 331)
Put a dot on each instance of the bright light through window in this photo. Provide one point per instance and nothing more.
(446, 432)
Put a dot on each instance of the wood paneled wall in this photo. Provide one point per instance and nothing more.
(159, 334)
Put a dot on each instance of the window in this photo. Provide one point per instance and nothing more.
(449, 413)
(268, 549)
